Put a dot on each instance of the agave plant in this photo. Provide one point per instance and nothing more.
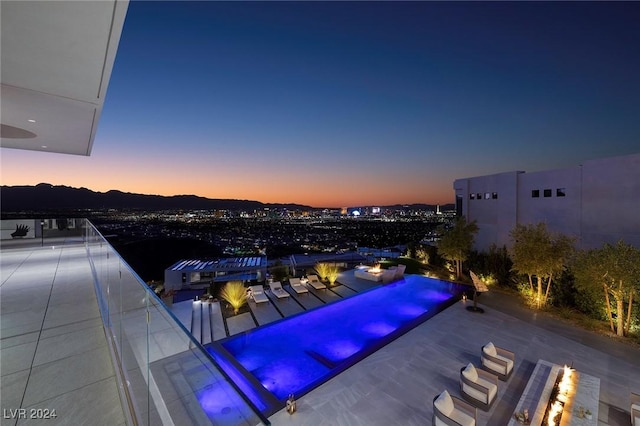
(234, 293)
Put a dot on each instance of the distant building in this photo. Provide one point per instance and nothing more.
(193, 273)
(597, 202)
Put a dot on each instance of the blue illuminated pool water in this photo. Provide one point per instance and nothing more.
(296, 354)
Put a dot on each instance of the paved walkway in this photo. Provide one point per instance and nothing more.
(53, 349)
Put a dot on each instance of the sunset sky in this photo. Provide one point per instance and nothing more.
(335, 104)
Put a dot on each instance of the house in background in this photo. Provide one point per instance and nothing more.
(197, 274)
(596, 202)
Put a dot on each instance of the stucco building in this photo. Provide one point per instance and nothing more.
(596, 202)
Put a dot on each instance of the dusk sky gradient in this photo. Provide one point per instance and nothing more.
(335, 104)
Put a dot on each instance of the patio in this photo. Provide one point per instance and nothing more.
(396, 385)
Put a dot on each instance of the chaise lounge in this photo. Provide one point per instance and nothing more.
(257, 293)
(451, 411)
(297, 286)
(400, 271)
(478, 387)
(277, 290)
(497, 360)
(315, 282)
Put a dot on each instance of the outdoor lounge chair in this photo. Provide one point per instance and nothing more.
(400, 271)
(277, 290)
(497, 361)
(257, 292)
(451, 411)
(635, 409)
(297, 286)
(315, 282)
(478, 387)
(388, 275)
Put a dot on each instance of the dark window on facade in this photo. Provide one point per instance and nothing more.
(547, 193)
(494, 195)
(479, 196)
(560, 192)
(458, 205)
(535, 193)
(472, 196)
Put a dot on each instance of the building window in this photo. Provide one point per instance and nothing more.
(494, 195)
(479, 196)
(560, 192)
(535, 193)
(487, 195)
(547, 193)
(472, 196)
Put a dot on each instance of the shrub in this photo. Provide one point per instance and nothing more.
(234, 293)
(328, 271)
(323, 270)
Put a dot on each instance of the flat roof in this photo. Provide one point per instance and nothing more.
(231, 263)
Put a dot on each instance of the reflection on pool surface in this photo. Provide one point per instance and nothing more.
(296, 354)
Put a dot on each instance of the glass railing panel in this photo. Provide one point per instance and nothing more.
(169, 377)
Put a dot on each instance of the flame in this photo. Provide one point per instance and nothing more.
(564, 387)
(376, 268)
(556, 408)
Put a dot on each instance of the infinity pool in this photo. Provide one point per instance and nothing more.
(297, 354)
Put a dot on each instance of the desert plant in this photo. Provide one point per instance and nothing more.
(234, 293)
(328, 271)
(332, 276)
(323, 270)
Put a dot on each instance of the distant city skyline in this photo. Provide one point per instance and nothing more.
(333, 104)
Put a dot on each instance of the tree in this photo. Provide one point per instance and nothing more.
(279, 272)
(456, 243)
(537, 252)
(616, 271)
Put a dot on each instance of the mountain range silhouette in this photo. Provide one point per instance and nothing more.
(45, 196)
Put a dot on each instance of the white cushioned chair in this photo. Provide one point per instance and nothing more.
(277, 290)
(315, 282)
(497, 360)
(297, 286)
(257, 293)
(451, 411)
(635, 409)
(478, 387)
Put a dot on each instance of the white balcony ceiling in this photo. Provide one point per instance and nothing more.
(56, 62)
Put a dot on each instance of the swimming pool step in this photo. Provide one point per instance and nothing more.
(207, 323)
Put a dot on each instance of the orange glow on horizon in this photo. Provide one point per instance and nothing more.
(311, 187)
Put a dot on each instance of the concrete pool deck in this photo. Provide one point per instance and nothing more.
(396, 385)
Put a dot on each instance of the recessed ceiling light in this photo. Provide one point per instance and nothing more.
(31, 120)
(44, 146)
